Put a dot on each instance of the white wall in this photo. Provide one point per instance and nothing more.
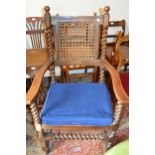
(119, 8)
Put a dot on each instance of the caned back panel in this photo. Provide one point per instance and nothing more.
(77, 37)
(35, 37)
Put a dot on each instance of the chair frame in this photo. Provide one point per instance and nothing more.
(45, 132)
(118, 55)
(66, 70)
(116, 24)
(112, 44)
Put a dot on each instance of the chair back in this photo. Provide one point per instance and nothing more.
(78, 38)
(36, 53)
(35, 27)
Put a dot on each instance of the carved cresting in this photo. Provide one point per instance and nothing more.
(49, 36)
(104, 40)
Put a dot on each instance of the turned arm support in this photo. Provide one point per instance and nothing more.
(116, 82)
(36, 83)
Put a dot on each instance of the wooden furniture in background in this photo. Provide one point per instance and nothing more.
(80, 72)
(76, 43)
(116, 24)
(121, 60)
(121, 52)
(37, 53)
(114, 36)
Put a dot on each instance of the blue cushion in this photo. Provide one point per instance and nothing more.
(86, 104)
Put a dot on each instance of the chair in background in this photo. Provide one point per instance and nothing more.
(113, 35)
(121, 56)
(37, 53)
(77, 71)
(74, 109)
(120, 61)
(116, 24)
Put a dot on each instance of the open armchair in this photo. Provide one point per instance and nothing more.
(75, 107)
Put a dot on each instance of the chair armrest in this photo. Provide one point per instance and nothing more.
(36, 83)
(117, 84)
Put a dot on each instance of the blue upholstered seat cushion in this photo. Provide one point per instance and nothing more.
(86, 104)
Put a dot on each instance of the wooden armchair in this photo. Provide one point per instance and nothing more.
(74, 109)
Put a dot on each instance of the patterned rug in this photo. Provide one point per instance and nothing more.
(85, 147)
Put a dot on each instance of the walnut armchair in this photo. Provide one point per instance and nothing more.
(76, 108)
